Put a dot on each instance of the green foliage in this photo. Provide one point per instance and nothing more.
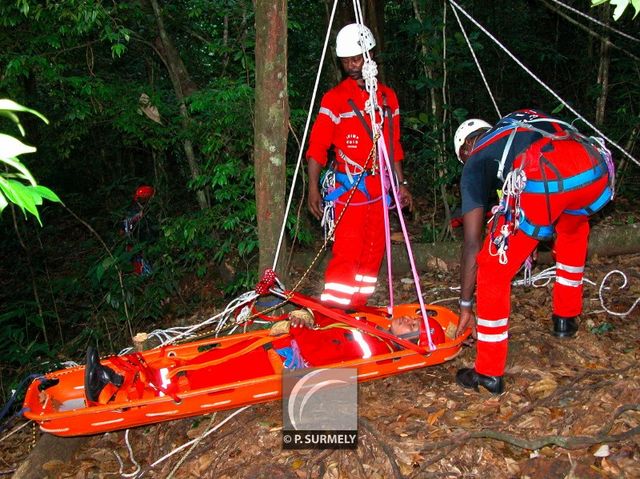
(430, 233)
(602, 328)
(20, 344)
(12, 183)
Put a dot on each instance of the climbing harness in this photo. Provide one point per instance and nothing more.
(508, 216)
(335, 183)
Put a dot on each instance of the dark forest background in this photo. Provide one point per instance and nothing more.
(89, 67)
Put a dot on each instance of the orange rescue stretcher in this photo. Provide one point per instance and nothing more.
(200, 377)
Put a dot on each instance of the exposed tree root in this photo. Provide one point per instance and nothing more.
(385, 447)
(566, 442)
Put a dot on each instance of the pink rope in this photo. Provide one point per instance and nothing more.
(385, 183)
(385, 170)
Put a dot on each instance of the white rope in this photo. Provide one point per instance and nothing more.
(369, 73)
(304, 137)
(475, 59)
(532, 75)
(133, 460)
(544, 278)
(591, 32)
(602, 24)
(549, 274)
(193, 446)
(198, 439)
(171, 335)
(624, 284)
(14, 430)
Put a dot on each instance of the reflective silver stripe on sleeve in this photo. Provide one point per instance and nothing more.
(329, 113)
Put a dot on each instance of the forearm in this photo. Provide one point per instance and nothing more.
(473, 226)
(468, 270)
(313, 170)
(397, 166)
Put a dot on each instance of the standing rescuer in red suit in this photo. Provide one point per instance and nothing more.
(343, 124)
(554, 178)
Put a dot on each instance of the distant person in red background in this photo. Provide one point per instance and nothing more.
(137, 227)
(343, 124)
(554, 179)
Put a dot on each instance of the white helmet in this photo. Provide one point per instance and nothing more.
(464, 130)
(354, 39)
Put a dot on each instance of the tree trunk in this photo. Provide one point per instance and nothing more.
(182, 86)
(435, 103)
(270, 131)
(603, 73)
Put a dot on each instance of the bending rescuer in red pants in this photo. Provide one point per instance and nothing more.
(555, 179)
(344, 125)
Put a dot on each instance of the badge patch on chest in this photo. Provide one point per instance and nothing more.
(352, 140)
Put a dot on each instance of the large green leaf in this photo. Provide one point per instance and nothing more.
(17, 164)
(10, 105)
(14, 118)
(26, 198)
(11, 147)
(46, 193)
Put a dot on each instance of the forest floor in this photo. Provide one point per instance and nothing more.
(571, 409)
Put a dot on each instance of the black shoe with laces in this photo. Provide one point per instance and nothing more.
(564, 327)
(469, 378)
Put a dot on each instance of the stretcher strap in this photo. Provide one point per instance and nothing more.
(353, 329)
(342, 317)
(214, 362)
(147, 376)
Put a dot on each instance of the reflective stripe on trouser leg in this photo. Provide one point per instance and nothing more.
(365, 285)
(494, 302)
(338, 293)
(357, 250)
(571, 252)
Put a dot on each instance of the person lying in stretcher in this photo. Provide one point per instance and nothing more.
(306, 339)
(315, 340)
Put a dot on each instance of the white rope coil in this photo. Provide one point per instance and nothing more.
(624, 285)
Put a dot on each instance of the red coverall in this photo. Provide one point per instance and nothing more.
(351, 275)
(336, 342)
(550, 206)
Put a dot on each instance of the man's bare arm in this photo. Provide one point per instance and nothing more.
(473, 226)
(314, 201)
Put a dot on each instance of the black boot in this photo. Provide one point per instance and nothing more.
(469, 378)
(564, 327)
(97, 376)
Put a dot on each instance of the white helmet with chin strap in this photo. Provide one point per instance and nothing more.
(464, 130)
(353, 40)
